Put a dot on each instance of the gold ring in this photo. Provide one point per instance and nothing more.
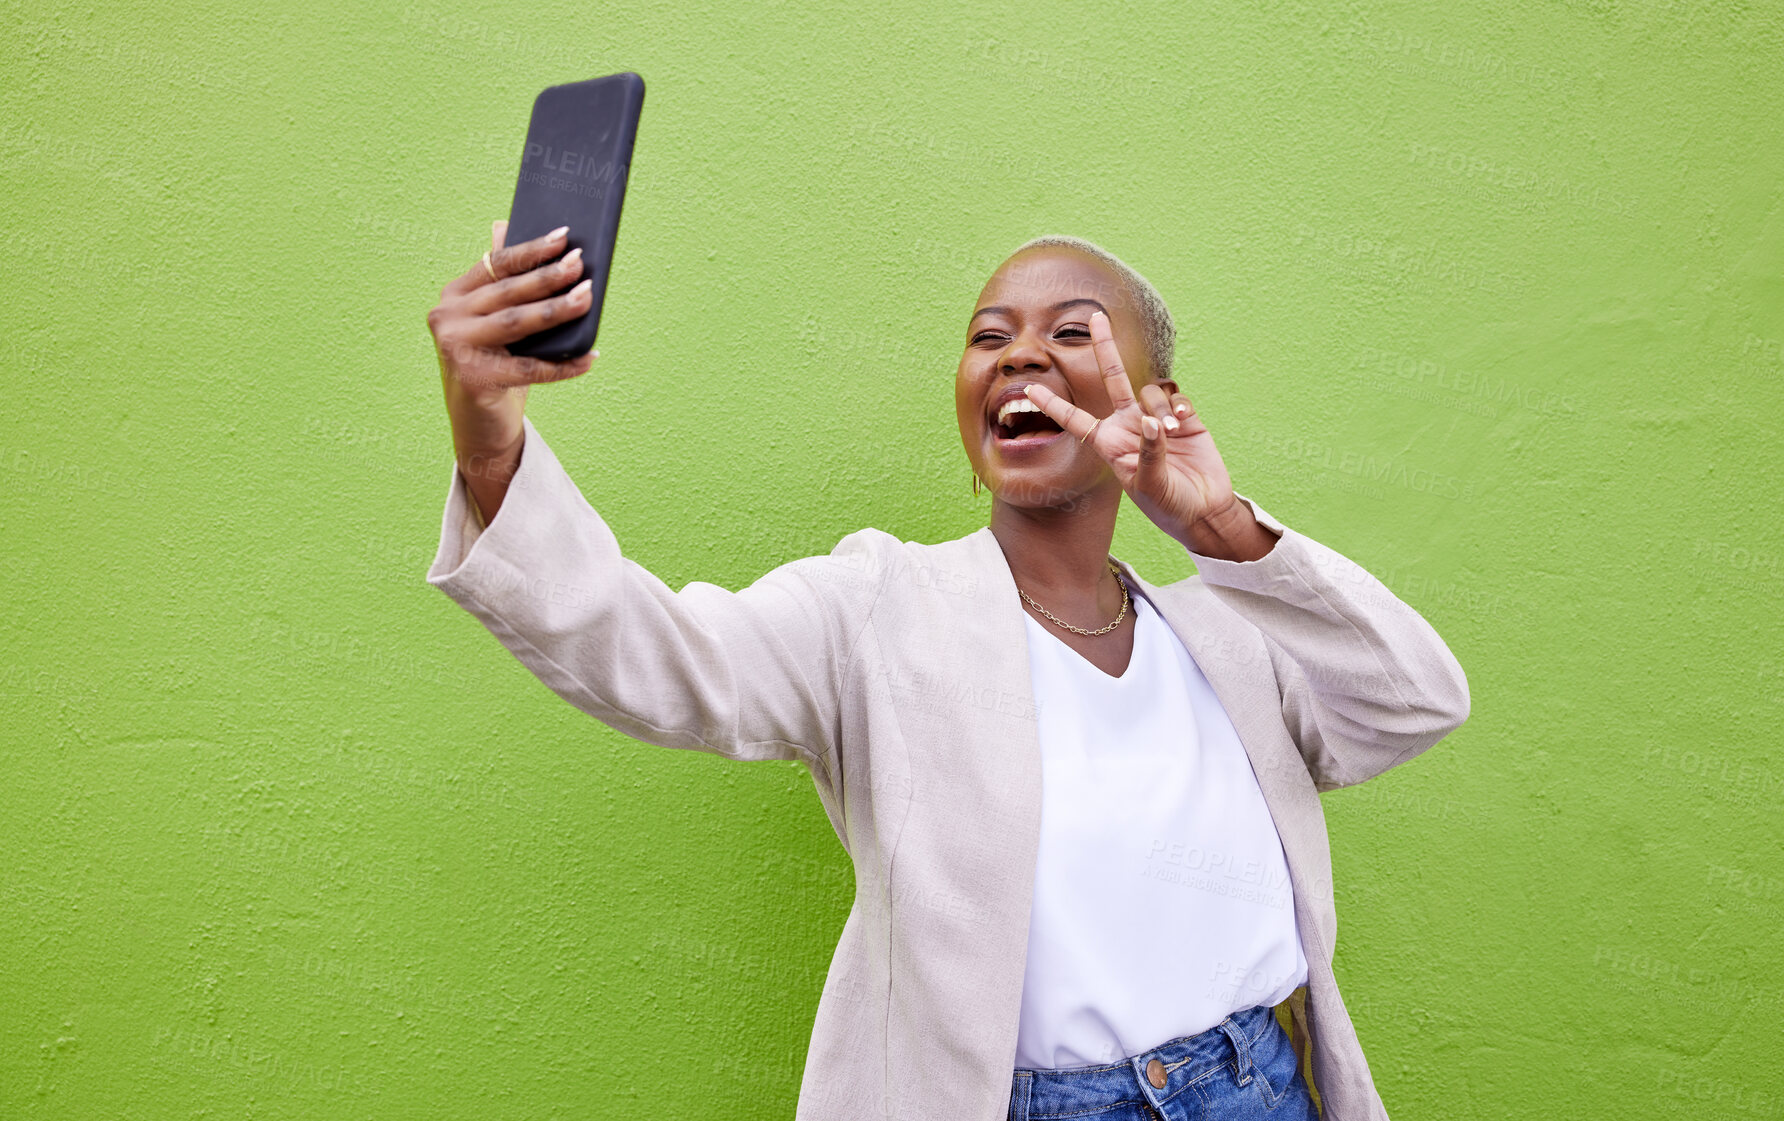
(490, 267)
(1089, 430)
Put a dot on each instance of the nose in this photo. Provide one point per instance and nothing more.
(1024, 353)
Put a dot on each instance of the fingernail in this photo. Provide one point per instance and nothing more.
(1182, 410)
(1094, 314)
(559, 232)
(594, 354)
(1150, 425)
(1171, 423)
(573, 256)
(582, 289)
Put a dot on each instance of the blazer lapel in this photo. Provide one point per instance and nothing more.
(985, 787)
(1232, 655)
(1229, 651)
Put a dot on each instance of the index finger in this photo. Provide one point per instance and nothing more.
(1068, 416)
(1108, 359)
(511, 259)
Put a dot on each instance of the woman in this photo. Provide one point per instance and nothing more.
(1124, 940)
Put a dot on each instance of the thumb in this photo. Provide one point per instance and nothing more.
(498, 233)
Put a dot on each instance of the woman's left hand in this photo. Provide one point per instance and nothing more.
(1173, 474)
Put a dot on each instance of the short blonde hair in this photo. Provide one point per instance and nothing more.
(1155, 317)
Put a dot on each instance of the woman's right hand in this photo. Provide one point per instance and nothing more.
(485, 386)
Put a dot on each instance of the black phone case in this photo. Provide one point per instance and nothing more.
(573, 173)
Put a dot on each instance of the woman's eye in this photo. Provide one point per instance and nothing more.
(1071, 331)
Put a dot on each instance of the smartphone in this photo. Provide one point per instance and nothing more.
(573, 173)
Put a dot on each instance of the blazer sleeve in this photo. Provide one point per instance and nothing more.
(1365, 681)
(753, 674)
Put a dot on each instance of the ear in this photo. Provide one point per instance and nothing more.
(1169, 385)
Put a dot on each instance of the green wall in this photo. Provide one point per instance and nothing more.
(1489, 301)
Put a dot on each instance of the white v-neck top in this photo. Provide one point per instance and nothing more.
(1162, 901)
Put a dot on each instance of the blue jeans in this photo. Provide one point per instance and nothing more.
(1242, 1068)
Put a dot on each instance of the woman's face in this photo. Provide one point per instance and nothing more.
(1032, 325)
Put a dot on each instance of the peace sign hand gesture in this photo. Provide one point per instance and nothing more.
(1160, 451)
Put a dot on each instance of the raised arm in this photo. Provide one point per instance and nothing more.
(752, 674)
(1366, 682)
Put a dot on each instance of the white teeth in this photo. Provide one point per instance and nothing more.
(1016, 405)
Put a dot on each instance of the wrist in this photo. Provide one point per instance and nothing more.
(488, 451)
(484, 422)
(490, 466)
(488, 476)
(1230, 532)
(486, 435)
(489, 473)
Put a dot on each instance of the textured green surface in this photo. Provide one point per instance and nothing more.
(1488, 301)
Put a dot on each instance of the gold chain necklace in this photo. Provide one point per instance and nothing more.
(1081, 630)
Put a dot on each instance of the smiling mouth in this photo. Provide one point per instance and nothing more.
(1022, 422)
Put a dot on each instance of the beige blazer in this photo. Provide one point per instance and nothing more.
(897, 672)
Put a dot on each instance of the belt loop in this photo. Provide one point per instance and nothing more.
(1241, 1049)
(1020, 1097)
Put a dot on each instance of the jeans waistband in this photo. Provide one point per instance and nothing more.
(1180, 1062)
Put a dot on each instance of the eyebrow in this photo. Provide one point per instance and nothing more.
(1056, 308)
